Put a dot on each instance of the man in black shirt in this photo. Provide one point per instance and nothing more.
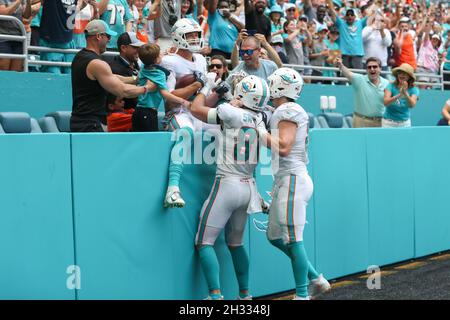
(92, 79)
(255, 19)
(126, 64)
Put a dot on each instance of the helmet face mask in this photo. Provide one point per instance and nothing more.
(180, 31)
(253, 92)
(285, 82)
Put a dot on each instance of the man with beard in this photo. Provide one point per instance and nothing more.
(255, 19)
(368, 93)
(92, 78)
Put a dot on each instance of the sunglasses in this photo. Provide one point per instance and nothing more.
(350, 15)
(372, 67)
(106, 35)
(248, 52)
(293, 9)
(217, 66)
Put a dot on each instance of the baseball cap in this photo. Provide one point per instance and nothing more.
(129, 39)
(321, 28)
(348, 10)
(288, 6)
(98, 26)
(436, 36)
(405, 19)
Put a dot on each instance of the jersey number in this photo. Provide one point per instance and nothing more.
(246, 148)
(114, 8)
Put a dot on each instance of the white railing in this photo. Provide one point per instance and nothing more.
(22, 38)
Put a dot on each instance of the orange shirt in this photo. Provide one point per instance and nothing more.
(407, 53)
(120, 121)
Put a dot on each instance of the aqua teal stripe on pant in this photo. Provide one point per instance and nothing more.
(208, 209)
(290, 208)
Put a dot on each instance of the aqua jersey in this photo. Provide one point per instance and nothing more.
(152, 99)
(116, 15)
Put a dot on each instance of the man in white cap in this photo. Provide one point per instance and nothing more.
(92, 79)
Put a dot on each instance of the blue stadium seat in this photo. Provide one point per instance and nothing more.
(48, 124)
(18, 122)
(331, 120)
(62, 119)
(349, 119)
(1, 129)
(35, 128)
(312, 120)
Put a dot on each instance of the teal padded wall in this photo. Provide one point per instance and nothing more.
(431, 155)
(36, 234)
(379, 198)
(340, 201)
(390, 166)
(128, 246)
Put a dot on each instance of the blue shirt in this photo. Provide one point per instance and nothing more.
(158, 77)
(223, 33)
(350, 37)
(116, 15)
(399, 109)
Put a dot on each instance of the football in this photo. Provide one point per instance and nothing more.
(184, 81)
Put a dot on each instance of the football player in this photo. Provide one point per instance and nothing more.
(292, 186)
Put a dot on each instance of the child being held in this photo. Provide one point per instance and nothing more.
(145, 117)
(118, 119)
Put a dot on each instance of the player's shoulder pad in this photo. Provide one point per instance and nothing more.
(291, 112)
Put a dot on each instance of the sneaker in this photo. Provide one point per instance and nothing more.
(173, 199)
(247, 297)
(210, 298)
(296, 297)
(319, 286)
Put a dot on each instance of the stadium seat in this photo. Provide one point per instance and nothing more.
(62, 120)
(35, 128)
(331, 120)
(48, 124)
(311, 120)
(349, 119)
(16, 122)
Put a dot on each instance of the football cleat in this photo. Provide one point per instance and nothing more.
(319, 286)
(173, 199)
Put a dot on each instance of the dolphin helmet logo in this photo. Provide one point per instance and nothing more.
(248, 87)
(288, 79)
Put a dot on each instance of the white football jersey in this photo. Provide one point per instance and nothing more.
(296, 161)
(179, 67)
(237, 147)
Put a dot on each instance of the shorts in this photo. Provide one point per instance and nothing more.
(388, 123)
(287, 215)
(11, 47)
(56, 57)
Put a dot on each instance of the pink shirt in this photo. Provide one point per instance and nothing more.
(428, 57)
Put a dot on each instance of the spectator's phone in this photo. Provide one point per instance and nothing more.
(251, 32)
